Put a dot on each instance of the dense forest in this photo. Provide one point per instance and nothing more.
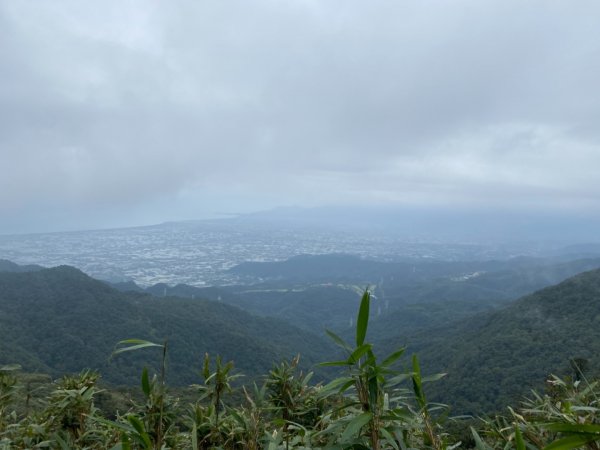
(60, 320)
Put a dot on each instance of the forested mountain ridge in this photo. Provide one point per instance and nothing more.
(60, 320)
(313, 293)
(9, 266)
(493, 359)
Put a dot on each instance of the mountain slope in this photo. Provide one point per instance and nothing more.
(60, 320)
(493, 359)
(435, 294)
(9, 266)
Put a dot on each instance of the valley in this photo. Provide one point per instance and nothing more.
(489, 330)
(277, 309)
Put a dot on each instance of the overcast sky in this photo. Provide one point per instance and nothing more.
(123, 112)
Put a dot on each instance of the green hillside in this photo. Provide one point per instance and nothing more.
(493, 359)
(60, 320)
(314, 294)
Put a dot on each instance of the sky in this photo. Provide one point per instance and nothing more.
(120, 113)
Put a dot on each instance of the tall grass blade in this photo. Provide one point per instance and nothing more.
(479, 444)
(519, 442)
(363, 318)
(145, 382)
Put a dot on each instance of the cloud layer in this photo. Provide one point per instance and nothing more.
(116, 113)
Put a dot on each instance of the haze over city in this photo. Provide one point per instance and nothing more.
(130, 113)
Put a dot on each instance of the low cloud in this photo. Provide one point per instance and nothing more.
(116, 107)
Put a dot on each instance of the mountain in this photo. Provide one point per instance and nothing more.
(316, 292)
(61, 320)
(493, 359)
(9, 266)
(441, 301)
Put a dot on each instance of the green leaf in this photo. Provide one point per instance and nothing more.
(389, 438)
(63, 444)
(111, 424)
(206, 367)
(120, 446)
(335, 363)
(587, 428)
(338, 340)
(346, 386)
(373, 387)
(570, 442)
(142, 435)
(355, 425)
(417, 383)
(392, 358)
(358, 353)
(145, 382)
(335, 385)
(134, 344)
(519, 442)
(363, 318)
(436, 377)
(399, 414)
(479, 444)
(194, 437)
(398, 379)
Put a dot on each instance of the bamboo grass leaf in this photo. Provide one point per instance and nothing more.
(355, 425)
(435, 377)
(519, 442)
(363, 318)
(358, 353)
(479, 444)
(142, 435)
(338, 340)
(145, 382)
(337, 385)
(373, 387)
(335, 363)
(133, 344)
(586, 428)
(570, 442)
(417, 383)
(111, 424)
(392, 358)
(206, 367)
(121, 446)
(195, 437)
(389, 438)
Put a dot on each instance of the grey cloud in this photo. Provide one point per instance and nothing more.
(120, 105)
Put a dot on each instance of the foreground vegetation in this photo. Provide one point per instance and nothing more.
(370, 406)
